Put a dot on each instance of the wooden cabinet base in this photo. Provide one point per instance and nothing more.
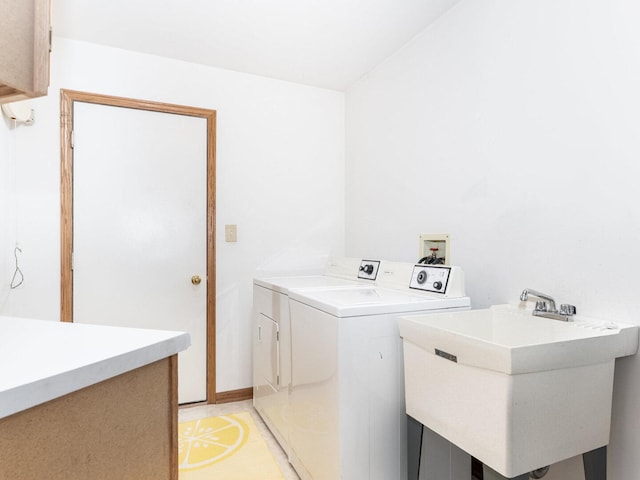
(122, 428)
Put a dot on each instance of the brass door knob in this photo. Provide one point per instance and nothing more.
(196, 279)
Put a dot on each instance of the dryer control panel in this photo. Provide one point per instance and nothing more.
(430, 278)
(369, 269)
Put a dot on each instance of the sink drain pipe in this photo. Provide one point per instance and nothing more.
(539, 472)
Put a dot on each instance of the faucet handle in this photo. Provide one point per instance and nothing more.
(541, 306)
(566, 309)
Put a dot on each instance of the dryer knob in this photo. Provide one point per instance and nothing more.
(368, 269)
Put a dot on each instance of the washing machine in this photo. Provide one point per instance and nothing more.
(272, 340)
(346, 403)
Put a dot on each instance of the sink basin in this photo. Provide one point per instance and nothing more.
(516, 391)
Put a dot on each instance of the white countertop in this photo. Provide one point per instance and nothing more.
(41, 360)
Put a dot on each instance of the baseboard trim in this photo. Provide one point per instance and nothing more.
(234, 395)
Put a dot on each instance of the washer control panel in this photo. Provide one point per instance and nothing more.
(430, 278)
(369, 269)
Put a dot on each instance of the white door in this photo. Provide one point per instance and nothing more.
(139, 227)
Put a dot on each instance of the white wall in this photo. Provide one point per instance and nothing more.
(512, 125)
(7, 220)
(280, 178)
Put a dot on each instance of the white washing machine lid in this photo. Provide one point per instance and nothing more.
(371, 300)
(284, 284)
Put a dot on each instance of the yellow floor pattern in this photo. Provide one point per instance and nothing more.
(227, 447)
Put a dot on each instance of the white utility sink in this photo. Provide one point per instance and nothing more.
(517, 392)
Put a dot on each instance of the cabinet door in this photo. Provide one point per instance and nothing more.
(25, 43)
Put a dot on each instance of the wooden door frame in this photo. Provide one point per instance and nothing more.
(67, 98)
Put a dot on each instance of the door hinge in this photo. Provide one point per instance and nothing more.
(72, 138)
(259, 332)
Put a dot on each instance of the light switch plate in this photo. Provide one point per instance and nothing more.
(230, 233)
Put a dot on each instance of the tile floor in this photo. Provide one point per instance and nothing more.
(202, 411)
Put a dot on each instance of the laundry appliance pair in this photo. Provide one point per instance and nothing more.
(328, 364)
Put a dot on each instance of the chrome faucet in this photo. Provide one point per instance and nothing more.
(546, 306)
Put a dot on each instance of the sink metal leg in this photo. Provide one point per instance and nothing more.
(439, 458)
(414, 447)
(595, 464)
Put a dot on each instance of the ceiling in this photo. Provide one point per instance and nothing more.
(325, 43)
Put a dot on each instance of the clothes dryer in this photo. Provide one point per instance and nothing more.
(271, 335)
(348, 417)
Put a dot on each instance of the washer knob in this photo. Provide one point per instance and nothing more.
(422, 277)
(437, 285)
